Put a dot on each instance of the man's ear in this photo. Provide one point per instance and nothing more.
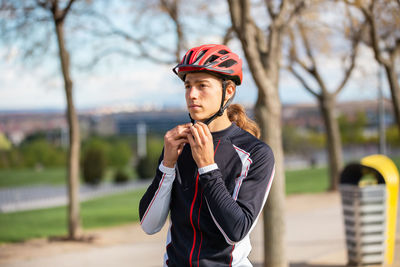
(230, 91)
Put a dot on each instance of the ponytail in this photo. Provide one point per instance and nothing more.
(237, 114)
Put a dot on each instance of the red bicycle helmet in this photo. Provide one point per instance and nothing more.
(214, 58)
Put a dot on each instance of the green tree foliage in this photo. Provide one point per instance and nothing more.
(94, 163)
(352, 128)
(121, 177)
(11, 159)
(40, 152)
(4, 143)
(392, 136)
(119, 154)
(147, 166)
(301, 141)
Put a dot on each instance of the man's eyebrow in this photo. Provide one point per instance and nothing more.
(198, 81)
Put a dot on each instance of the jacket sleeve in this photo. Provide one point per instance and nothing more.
(235, 215)
(154, 205)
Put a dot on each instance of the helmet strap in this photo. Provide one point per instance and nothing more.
(191, 119)
(221, 108)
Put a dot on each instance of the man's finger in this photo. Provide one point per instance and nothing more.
(190, 139)
(181, 132)
(179, 141)
(202, 134)
(185, 126)
(195, 134)
(205, 129)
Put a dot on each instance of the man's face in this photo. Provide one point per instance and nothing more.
(203, 94)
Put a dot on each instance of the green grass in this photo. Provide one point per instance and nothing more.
(307, 181)
(118, 209)
(53, 176)
(101, 212)
(111, 210)
(23, 177)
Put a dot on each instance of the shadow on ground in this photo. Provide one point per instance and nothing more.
(302, 264)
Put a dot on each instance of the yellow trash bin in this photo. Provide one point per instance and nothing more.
(369, 192)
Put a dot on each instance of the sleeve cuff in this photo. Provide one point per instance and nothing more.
(208, 168)
(166, 170)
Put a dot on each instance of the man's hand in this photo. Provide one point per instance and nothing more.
(174, 140)
(201, 143)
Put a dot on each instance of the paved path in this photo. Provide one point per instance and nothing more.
(315, 237)
(45, 196)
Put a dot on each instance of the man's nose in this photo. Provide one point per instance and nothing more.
(193, 93)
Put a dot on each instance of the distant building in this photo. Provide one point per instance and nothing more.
(19, 125)
(309, 116)
(157, 122)
(16, 126)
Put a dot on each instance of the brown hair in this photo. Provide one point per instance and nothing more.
(237, 114)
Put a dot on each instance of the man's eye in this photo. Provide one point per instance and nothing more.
(187, 87)
(203, 85)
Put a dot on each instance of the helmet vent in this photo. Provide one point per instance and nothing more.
(228, 63)
(200, 56)
(223, 52)
(188, 57)
(211, 59)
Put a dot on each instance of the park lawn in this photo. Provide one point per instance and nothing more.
(307, 181)
(102, 212)
(52, 176)
(118, 209)
(27, 177)
(297, 181)
(123, 208)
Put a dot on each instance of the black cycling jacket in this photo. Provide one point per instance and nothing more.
(211, 213)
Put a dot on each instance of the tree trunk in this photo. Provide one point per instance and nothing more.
(395, 91)
(74, 223)
(333, 142)
(268, 115)
(265, 68)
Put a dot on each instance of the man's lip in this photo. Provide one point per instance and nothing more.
(194, 106)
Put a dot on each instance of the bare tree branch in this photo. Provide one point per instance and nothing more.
(140, 42)
(118, 51)
(147, 42)
(397, 49)
(313, 70)
(235, 17)
(44, 4)
(245, 17)
(369, 15)
(355, 44)
(300, 5)
(270, 9)
(294, 58)
(280, 17)
(303, 82)
(306, 44)
(228, 35)
(172, 9)
(348, 72)
(66, 10)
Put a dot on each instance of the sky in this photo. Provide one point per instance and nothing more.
(130, 82)
(144, 84)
